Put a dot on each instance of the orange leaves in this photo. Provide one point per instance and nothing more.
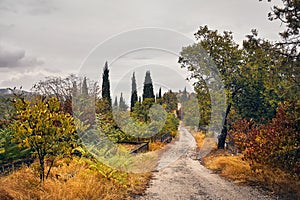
(276, 143)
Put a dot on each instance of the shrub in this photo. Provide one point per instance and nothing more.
(277, 143)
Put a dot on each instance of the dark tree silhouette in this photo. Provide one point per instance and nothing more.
(134, 96)
(106, 85)
(148, 87)
(122, 104)
(84, 87)
(116, 102)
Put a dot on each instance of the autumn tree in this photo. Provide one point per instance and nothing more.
(65, 89)
(276, 143)
(43, 127)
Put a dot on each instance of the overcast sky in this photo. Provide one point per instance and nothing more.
(52, 38)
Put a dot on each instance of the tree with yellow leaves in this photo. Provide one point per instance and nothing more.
(41, 125)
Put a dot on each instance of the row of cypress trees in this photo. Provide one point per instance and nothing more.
(148, 92)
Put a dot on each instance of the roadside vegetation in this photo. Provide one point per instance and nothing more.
(258, 142)
(42, 153)
(261, 132)
(243, 171)
(76, 178)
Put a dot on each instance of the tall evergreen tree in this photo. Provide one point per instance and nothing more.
(116, 102)
(74, 89)
(159, 93)
(106, 84)
(148, 87)
(159, 97)
(122, 104)
(84, 87)
(134, 96)
(184, 96)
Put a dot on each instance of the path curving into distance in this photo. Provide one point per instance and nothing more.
(178, 176)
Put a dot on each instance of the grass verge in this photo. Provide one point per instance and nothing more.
(235, 168)
(74, 179)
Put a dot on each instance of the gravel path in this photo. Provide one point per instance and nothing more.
(179, 176)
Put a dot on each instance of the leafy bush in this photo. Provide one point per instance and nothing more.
(10, 151)
(277, 143)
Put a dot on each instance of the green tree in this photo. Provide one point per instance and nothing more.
(43, 127)
(106, 85)
(9, 150)
(141, 110)
(171, 125)
(227, 57)
(134, 96)
(183, 96)
(170, 100)
(122, 103)
(148, 87)
(190, 115)
(289, 15)
(256, 76)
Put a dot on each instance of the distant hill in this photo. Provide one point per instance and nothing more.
(5, 91)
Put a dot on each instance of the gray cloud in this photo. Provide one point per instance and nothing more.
(34, 7)
(24, 79)
(64, 32)
(13, 58)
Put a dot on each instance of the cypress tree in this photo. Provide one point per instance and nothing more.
(74, 89)
(84, 87)
(106, 84)
(122, 104)
(159, 97)
(116, 102)
(148, 87)
(159, 93)
(134, 96)
(184, 97)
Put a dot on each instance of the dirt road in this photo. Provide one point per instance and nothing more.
(179, 176)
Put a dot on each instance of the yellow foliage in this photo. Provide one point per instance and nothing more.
(75, 180)
(234, 167)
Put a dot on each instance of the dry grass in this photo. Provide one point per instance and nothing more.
(154, 146)
(199, 137)
(76, 180)
(233, 167)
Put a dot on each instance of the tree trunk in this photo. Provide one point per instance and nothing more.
(52, 162)
(42, 168)
(222, 136)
